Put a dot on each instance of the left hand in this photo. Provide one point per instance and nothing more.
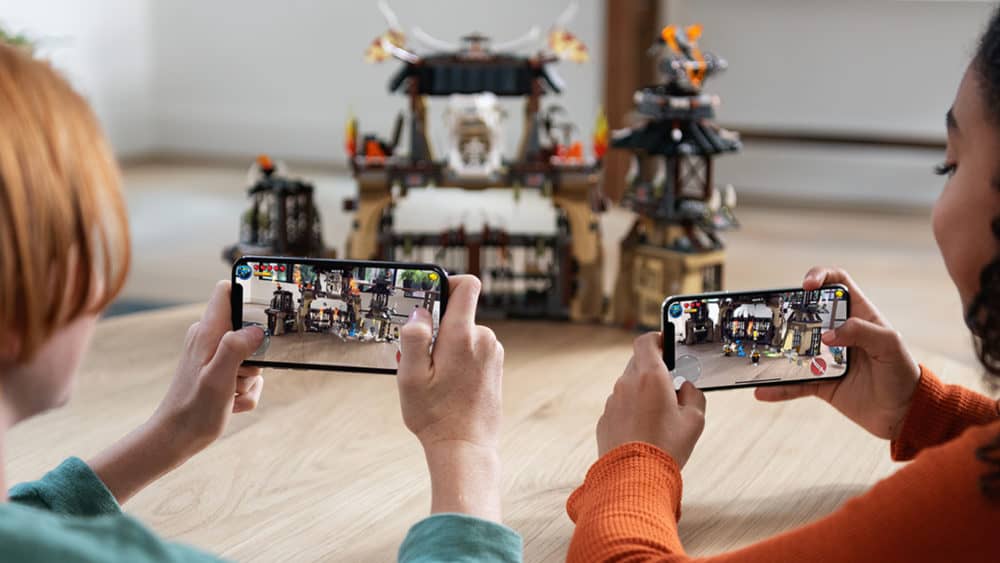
(210, 384)
(208, 387)
(645, 408)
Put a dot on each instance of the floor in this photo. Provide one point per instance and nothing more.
(183, 215)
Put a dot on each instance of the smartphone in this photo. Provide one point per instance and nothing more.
(338, 315)
(754, 338)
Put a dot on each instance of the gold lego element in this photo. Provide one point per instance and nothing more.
(362, 244)
(567, 46)
(376, 53)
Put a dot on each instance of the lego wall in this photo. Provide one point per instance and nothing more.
(104, 48)
(237, 77)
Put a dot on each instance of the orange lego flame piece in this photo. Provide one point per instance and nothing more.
(374, 150)
(694, 32)
(351, 137)
(600, 134)
(265, 162)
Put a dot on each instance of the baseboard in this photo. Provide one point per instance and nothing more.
(833, 174)
(780, 174)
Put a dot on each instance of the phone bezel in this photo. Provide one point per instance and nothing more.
(236, 303)
(669, 346)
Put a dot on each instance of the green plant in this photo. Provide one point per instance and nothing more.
(17, 39)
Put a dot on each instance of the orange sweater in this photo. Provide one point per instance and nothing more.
(930, 510)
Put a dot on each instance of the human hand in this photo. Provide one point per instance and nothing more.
(878, 388)
(645, 408)
(451, 401)
(208, 386)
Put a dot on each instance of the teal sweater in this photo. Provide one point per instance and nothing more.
(69, 516)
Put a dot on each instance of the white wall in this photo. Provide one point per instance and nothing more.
(240, 77)
(104, 48)
(858, 67)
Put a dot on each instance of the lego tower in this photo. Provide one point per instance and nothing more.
(673, 246)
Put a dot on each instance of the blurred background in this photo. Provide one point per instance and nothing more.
(840, 105)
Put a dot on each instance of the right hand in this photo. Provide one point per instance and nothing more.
(645, 408)
(451, 394)
(877, 390)
(450, 399)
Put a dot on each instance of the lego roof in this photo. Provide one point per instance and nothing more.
(503, 75)
(279, 184)
(656, 137)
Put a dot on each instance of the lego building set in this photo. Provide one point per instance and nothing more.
(282, 219)
(672, 247)
(551, 273)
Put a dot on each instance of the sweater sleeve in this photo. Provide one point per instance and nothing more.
(631, 500)
(460, 538)
(930, 510)
(71, 489)
(939, 413)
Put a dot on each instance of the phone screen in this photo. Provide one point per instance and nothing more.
(754, 338)
(333, 314)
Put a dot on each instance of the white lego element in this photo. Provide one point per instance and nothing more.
(729, 199)
(475, 135)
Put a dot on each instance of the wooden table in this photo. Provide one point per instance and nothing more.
(324, 470)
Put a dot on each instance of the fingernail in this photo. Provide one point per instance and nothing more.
(829, 336)
(416, 314)
(256, 333)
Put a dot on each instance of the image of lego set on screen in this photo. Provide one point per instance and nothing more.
(331, 315)
(758, 338)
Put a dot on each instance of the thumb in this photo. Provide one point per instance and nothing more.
(415, 343)
(234, 347)
(870, 337)
(776, 393)
(691, 396)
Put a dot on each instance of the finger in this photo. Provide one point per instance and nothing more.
(415, 345)
(861, 307)
(691, 396)
(215, 321)
(484, 337)
(250, 400)
(218, 312)
(877, 341)
(648, 356)
(249, 371)
(650, 367)
(777, 393)
(246, 384)
(234, 347)
(463, 298)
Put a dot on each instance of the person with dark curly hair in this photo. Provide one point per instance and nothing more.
(945, 505)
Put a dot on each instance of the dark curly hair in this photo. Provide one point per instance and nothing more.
(983, 316)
